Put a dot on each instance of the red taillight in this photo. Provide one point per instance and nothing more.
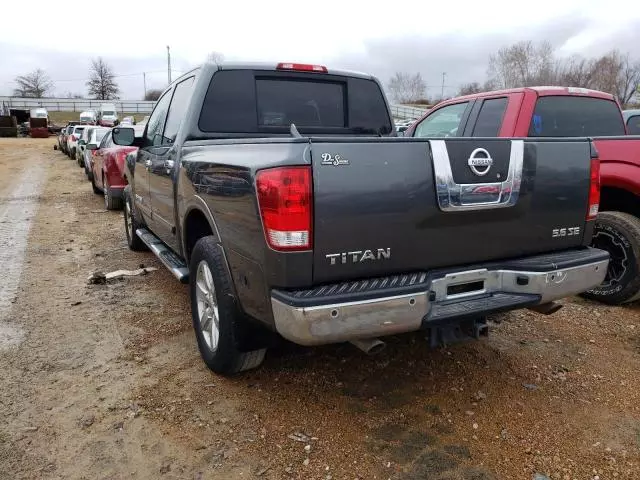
(302, 67)
(73, 138)
(594, 190)
(285, 201)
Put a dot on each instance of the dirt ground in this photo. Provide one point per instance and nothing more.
(105, 381)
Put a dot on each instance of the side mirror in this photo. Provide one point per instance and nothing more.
(81, 142)
(92, 146)
(123, 136)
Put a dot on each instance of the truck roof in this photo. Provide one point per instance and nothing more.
(274, 66)
(542, 91)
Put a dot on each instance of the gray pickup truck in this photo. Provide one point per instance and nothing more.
(284, 197)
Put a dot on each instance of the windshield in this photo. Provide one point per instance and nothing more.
(573, 116)
(108, 113)
(243, 101)
(100, 134)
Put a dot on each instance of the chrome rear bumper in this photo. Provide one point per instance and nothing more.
(307, 320)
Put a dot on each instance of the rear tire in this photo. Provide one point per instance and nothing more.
(131, 224)
(96, 190)
(619, 234)
(212, 300)
(110, 202)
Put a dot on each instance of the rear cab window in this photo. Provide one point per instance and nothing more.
(268, 102)
(575, 116)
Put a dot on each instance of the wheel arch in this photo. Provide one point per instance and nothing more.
(197, 222)
(620, 199)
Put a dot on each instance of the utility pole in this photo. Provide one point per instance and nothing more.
(144, 81)
(168, 64)
(442, 90)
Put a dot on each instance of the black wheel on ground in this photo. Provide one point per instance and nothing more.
(110, 202)
(216, 317)
(96, 190)
(131, 224)
(619, 234)
(72, 153)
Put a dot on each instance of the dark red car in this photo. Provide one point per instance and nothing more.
(107, 166)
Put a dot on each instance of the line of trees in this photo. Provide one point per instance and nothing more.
(526, 64)
(101, 84)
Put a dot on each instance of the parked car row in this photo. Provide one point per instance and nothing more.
(92, 148)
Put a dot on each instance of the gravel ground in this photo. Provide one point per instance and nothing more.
(105, 381)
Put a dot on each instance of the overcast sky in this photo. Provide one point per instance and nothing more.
(425, 36)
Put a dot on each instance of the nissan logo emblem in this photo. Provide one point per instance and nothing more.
(480, 162)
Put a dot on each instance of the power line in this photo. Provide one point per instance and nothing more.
(115, 76)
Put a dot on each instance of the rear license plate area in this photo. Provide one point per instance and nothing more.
(465, 288)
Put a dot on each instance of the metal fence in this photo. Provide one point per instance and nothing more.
(75, 104)
(405, 112)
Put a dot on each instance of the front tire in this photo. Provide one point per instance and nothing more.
(131, 224)
(216, 317)
(619, 234)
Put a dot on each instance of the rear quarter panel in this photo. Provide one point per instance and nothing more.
(620, 162)
(218, 179)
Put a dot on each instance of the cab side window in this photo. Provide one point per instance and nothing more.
(156, 122)
(490, 117)
(444, 122)
(178, 108)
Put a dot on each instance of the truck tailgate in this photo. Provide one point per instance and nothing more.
(385, 206)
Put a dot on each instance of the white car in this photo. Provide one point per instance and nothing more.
(72, 140)
(95, 137)
(88, 117)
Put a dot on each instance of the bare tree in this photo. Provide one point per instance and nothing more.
(406, 88)
(522, 64)
(35, 84)
(575, 71)
(628, 80)
(469, 88)
(153, 94)
(215, 57)
(101, 83)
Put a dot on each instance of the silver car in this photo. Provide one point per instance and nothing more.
(632, 119)
(94, 139)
